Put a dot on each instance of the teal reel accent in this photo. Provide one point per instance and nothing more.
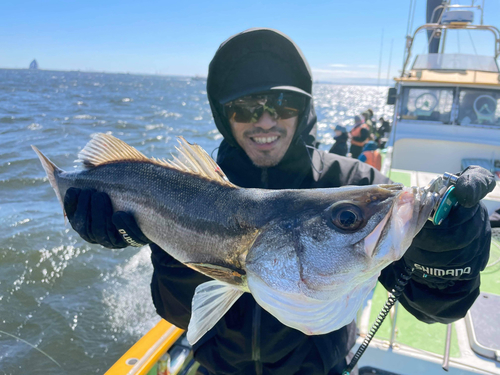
(445, 205)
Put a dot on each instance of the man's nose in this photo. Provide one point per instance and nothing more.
(266, 121)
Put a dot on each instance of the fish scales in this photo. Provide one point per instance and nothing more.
(308, 257)
(191, 217)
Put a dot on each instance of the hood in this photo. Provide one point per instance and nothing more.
(253, 61)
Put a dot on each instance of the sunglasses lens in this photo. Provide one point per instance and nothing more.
(250, 108)
(245, 114)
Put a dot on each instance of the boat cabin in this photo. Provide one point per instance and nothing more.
(447, 113)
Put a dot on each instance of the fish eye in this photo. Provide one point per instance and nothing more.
(347, 217)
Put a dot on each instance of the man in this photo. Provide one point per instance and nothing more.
(359, 134)
(368, 116)
(382, 131)
(259, 88)
(340, 145)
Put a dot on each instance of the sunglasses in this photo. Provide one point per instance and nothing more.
(250, 108)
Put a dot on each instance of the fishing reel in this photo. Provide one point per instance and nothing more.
(444, 186)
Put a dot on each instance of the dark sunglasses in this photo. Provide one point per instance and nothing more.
(279, 105)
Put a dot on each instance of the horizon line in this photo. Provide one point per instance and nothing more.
(200, 77)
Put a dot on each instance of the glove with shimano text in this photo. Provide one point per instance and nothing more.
(458, 249)
(90, 213)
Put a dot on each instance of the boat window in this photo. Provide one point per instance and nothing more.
(479, 107)
(454, 62)
(427, 104)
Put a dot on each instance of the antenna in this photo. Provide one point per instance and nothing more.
(380, 59)
(389, 67)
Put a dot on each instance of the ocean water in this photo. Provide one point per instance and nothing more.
(80, 304)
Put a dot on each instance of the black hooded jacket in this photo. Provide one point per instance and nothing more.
(248, 340)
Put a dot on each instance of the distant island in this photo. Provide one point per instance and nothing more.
(34, 65)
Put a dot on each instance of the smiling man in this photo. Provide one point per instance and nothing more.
(264, 124)
(259, 88)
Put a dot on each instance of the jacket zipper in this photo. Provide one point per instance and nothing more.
(264, 178)
(257, 310)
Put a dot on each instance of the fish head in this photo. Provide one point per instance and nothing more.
(313, 269)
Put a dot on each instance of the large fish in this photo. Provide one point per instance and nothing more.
(309, 257)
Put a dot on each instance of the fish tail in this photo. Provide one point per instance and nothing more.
(51, 169)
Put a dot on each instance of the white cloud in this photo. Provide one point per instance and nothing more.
(339, 65)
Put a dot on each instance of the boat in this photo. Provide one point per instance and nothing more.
(446, 108)
(446, 117)
(33, 65)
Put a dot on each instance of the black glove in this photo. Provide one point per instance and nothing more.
(90, 213)
(473, 185)
(458, 249)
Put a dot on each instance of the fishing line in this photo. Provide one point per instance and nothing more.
(33, 346)
(395, 294)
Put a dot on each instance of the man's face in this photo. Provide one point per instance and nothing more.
(267, 140)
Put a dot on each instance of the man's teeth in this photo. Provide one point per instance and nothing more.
(262, 140)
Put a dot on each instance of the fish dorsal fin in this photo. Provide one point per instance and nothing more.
(194, 159)
(210, 302)
(104, 148)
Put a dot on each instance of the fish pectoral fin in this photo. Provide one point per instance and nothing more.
(226, 273)
(210, 302)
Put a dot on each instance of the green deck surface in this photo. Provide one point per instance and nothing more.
(409, 330)
(401, 177)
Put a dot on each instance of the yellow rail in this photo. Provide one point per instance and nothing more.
(142, 356)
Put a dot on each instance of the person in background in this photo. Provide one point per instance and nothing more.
(259, 87)
(359, 135)
(368, 116)
(340, 145)
(371, 155)
(382, 132)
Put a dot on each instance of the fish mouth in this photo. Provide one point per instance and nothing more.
(407, 216)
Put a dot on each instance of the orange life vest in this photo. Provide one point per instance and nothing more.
(373, 158)
(356, 132)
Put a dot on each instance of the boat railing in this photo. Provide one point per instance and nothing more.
(452, 26)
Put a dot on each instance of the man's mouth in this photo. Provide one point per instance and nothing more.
(264, 140)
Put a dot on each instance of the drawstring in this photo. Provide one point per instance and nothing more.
(310, 158)
(212, 153)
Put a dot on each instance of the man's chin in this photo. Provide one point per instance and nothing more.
(265, 163)
(265, 159)
(266, 155)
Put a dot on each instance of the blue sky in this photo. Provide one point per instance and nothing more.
(340, 39)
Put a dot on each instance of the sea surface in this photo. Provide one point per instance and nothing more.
(68, 307)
